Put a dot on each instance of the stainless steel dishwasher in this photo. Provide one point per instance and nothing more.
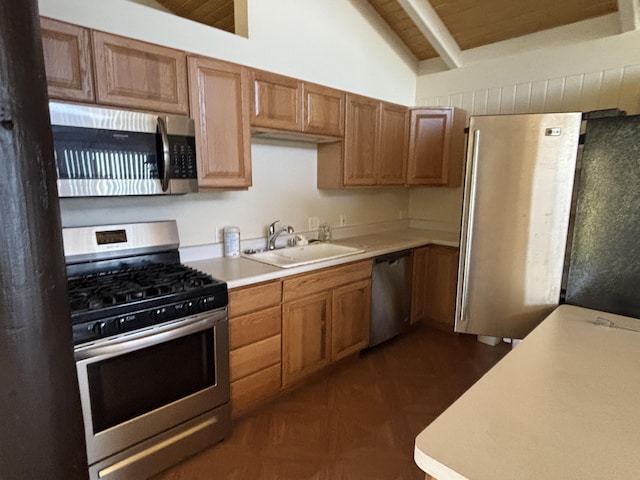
(390, 296)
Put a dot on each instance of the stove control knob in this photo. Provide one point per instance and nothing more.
(202, 304)
(187, 307)
(155, 314)
(98, 328)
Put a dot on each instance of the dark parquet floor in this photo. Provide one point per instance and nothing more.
(359, 422)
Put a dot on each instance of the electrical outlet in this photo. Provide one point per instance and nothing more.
(219, 233)
(343, 220)
(314, 223)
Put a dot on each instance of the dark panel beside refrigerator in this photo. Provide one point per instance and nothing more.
(604, 270)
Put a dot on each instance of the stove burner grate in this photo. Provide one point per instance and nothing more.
(101, 290)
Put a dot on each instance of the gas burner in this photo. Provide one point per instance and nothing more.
(105, 289)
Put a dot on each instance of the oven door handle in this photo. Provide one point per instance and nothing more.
(146, 338)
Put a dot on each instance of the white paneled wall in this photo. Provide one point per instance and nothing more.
(612, 88)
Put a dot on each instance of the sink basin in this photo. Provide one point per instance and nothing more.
(303, 255)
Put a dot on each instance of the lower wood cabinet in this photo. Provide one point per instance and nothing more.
(435, 279)
(325, 317)
(350, 318)
(283, 331)
(305, 336)
(255, 345)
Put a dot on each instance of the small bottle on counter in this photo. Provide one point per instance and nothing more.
(232, 242)
(324, 233)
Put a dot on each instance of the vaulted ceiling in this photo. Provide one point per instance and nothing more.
(445, 28)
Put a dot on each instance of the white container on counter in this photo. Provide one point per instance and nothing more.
(231, 242)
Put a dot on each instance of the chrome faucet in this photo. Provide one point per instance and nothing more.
(273, 234)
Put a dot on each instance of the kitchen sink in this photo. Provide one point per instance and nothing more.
(303, 255)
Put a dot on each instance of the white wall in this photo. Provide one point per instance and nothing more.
(582, 76)
(331, 42)
(284, 188)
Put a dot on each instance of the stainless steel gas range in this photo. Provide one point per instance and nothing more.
(151, 343)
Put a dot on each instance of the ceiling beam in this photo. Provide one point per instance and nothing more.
(431, 26)
(629, 12)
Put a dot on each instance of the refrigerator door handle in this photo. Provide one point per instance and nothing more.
(467, 231)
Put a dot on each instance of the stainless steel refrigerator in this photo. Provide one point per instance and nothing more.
(517, 200)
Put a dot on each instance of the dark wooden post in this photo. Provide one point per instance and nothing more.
(41, 434)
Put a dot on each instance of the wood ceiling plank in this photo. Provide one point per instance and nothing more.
(393, 14)
(215, 13)
(480, 22)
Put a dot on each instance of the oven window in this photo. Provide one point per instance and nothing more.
(129, 385)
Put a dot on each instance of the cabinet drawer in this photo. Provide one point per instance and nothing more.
(310, 283)
(253, 327)
(257, 356)
(251, 390)
(253, 298)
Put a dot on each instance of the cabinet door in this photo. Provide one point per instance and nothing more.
(67, 61)
(306, 327)
(361, 130)
(276, 101)
(435, 279)
(441, 283)
(392, 144)
(436, 147)
(139, 75)
(323, 110)
(219, 105)
(350, 319)
(419, 284)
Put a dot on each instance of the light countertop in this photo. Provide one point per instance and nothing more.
(242, 271)
(564, 404)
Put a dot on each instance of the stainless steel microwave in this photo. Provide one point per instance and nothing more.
(108, 152)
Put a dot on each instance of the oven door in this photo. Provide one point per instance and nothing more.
(141, 384)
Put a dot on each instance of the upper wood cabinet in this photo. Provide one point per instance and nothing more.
(323, 110)
(89, 66)
(287, 104)
(220, 106)
(374, 148)
(436, 146)
(135, 74)
(362, 124)
(276, 101)
(67, 61)
(392, 144)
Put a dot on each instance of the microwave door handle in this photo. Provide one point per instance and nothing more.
(166, 157)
